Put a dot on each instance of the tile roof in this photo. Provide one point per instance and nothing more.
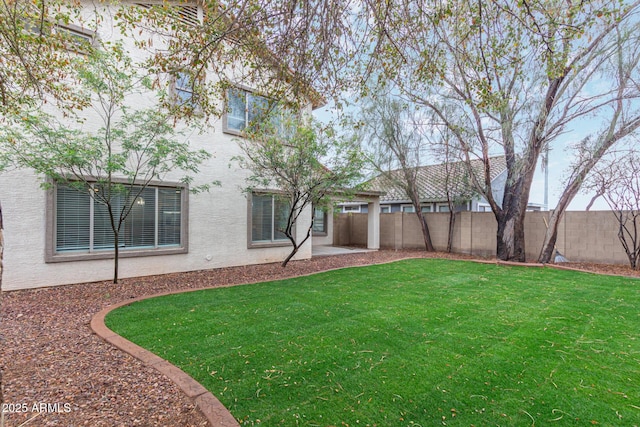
(431, 180)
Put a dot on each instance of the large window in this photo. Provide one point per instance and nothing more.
(268, 220)
(81, 223)
(245, 109)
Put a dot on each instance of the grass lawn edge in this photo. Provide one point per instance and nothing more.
(215, 412)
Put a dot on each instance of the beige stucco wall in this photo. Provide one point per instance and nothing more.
(217, 219)
(582, 236)
(217, 230)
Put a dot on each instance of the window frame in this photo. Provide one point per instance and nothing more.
(405, 208)
(251, 244)
(385, 209)
(178, 88)
(77, 37)
(325, 222)
(53, 256)
(247, 93)
(351, 208)
(441, 206)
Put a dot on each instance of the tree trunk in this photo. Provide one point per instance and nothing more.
(452, 223)
(510, 238)
(549, 243)
(292, 239)
(550, 238)
(415, 201)
(428, 244)
(116, 252)
(291, 255)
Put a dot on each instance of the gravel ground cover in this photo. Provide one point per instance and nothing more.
(56, 372)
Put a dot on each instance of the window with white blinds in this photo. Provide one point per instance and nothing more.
(83, 223)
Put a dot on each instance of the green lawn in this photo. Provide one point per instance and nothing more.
(413, 343)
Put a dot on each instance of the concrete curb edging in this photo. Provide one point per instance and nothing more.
(207, 403)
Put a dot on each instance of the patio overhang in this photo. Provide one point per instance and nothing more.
(372, 199)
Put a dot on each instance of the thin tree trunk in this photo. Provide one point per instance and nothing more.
(116, 251)
(296, 247)
(412, 192)
(551, 236)
(426, 234)
(291, 255)
(452, 222)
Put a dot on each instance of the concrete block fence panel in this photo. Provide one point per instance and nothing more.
(582, 236)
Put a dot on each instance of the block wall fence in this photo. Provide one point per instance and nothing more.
(582, 236)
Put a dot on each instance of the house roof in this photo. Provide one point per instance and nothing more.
(432, 180)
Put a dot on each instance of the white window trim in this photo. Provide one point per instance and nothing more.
(385, 207)
(402, 208)
(351, 208)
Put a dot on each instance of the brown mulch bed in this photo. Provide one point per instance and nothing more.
(49, 355)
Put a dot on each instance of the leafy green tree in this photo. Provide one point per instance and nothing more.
(509, 78)
(35, 63)
(287, 50)
(37, 51)
(304, 161)
(115, 163)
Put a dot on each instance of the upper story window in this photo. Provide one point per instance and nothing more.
(74, 37)
(183, 88)
(245, 109)
(79, 37)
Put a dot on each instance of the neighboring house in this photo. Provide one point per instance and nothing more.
(433, 182)
(58, 236)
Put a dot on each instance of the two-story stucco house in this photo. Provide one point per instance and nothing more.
(57, 236)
